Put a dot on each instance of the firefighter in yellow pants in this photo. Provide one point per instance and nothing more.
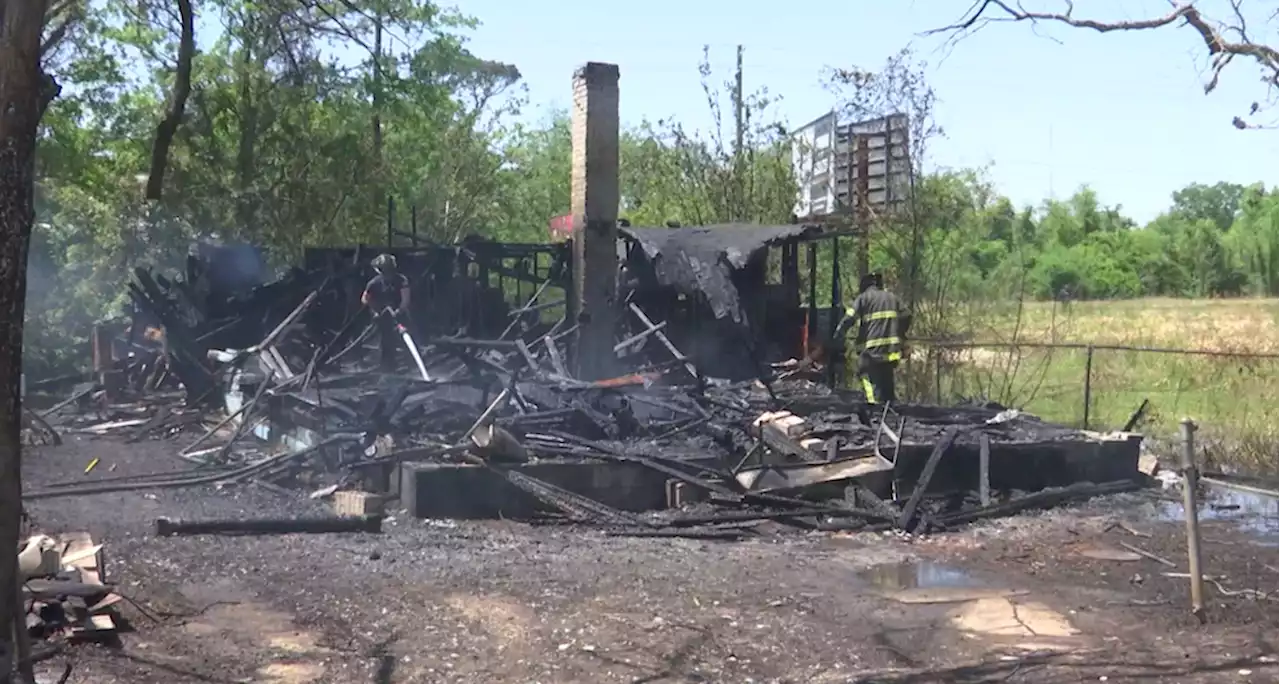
(882, 323)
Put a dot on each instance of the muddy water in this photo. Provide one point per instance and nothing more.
(917, 575)
(1257, 514)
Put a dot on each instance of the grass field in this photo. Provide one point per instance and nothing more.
(1234, 400)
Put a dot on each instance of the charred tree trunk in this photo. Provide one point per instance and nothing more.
(177, 102)
(25, 91)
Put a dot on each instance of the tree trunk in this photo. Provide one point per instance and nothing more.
(246, 150)
(177, 102)
(24, 93)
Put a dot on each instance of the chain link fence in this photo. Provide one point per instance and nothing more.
(1232, 395)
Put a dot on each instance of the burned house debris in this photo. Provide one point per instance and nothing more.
(697, 437)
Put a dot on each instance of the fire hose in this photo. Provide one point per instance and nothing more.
(408, 342)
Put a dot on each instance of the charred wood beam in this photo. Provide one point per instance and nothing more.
(470, 342)
(1045, 499)
(169, 528)
(720, 534)
(557, 361)
(778, 441)
(666, 341)
(623, 345)
(195, 480)
(527, 355)
(750, 516)
(537, 293)
(53, 382)
(534, 308)
(184, 354)
(922, 483)
(1137, 416)
(69, 400)
(48, 589)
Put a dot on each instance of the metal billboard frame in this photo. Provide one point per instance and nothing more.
(828, 163)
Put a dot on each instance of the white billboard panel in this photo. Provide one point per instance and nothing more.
(827, 166)
(813, 158)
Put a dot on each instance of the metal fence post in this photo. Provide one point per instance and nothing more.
(1088, 383)
(1190, 478)
(937, 375)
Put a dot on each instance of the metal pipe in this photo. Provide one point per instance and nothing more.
(1189, 481)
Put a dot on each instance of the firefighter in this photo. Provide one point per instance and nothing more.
(387, 295)
(882, 322)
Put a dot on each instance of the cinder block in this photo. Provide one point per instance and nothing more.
(356, 504)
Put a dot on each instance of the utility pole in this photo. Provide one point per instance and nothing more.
(377, 88)
(380, 186)
(595, 194)
(739, 138)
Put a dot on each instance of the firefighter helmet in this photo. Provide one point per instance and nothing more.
(384, 263)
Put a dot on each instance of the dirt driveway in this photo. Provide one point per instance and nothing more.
(1031, 599)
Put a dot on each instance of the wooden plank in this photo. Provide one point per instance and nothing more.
(909, 510)
(528, 355)
(83, 557)
(557, 361)
(666, 342)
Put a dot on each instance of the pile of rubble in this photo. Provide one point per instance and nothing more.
(65, 597)
(286, 397)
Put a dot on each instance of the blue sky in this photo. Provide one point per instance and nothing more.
(1124, 113)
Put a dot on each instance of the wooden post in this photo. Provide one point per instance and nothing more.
(937, 375)
(101, 342)
(812, 322)
(984, 469)
(595, 194)
(863, 208)
(1190, 479)
(1088, 384)
(391, 220)
(835, 365)
(22, 639)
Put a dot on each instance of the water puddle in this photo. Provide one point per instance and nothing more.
(1256, 514)
(923, 582)
(917, 575)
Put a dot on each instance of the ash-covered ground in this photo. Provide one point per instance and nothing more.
(496, 601)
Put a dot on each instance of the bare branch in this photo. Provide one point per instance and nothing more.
(177, 102)
(59, 18)
(1214, 34)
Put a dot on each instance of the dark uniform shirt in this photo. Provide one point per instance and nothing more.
(881, 321)
(384, 290)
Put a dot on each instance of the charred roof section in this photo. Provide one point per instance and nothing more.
(699, 260)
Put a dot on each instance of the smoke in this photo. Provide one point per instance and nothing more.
(83, 252)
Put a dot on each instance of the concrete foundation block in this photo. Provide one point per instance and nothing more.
(464, 491)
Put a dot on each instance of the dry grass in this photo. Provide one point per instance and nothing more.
(1235, 400)
(1235, 325)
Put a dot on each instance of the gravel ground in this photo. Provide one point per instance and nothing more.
(494, 601)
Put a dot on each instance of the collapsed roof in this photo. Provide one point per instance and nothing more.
(700, 259)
